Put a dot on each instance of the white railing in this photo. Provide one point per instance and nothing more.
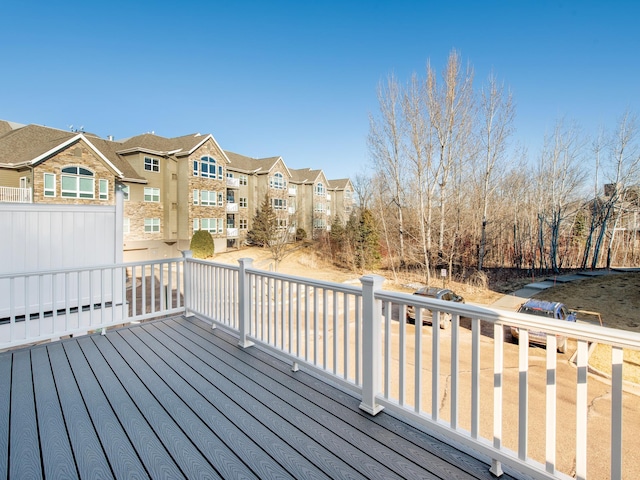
(232, 207)
(233, 182)
(15, 195)
(47, 305)
(467, 382)
(293, 191)
(524, 407)
(232, 232)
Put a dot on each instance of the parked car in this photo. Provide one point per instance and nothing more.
(543, 308)
(440, 294)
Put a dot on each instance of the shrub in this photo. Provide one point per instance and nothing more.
(300, 234)
(202, 244)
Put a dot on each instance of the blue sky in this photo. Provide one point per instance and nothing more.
(299, 78)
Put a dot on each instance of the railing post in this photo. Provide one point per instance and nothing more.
(244, 298)
(371, 348)
(188, 284)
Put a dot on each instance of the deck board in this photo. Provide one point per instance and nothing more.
(121, 455)
(175, 399)
(56, 449)
(254, 443)
(88, 452)
(5, 405)
(155, 457)
(176, 441)
(24, 447)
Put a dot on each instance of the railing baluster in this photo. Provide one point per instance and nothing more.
(523, 394)
(455, 371)
(617, 359)
(582, 408)
(498, 367)
(475, 377)
(551, 394)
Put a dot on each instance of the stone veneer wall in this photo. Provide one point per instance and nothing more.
(78, 154)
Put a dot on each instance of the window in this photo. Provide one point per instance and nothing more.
(243, 223)
(151, 225)
(77, 182)
(277, 181)
(49, 185)
(151, 194)
(208, 198)
(220, 200)
(278, 203)
(196, 225)
(319, 223)
(229, 175)
(282, 223)
(125, 192)
(206, 168)
(196, 197)
(104, 189)
(319, 207)
(211, 225)
(242, 202)
(243, 180)
(126, 225)
(320, 190)
(151, 164)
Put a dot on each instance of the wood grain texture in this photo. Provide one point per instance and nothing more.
(24, 447)
(127, 366)
(5, 405)
(155, 457)
(122, 457)
(57, 457)
(90, 457)
(175, 399)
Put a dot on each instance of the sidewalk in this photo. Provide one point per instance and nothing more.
(512, 301)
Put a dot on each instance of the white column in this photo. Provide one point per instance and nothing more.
(244, 298)
(371, 348)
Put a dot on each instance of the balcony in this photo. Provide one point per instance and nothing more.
(233, 182)
(15, 195)
(231, 207)
(175, 397)
(232, 232)
(291, 210)
(293, 191)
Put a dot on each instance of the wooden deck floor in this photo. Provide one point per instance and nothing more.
(175, 399)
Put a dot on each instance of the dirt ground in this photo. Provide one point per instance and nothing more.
(616, 296)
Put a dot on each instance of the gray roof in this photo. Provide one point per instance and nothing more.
(340, 183)
(250, 164)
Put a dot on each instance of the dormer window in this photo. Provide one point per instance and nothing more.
(207, 167)
(151, 164)
(277, 181)
(77, 182)
(320, 190)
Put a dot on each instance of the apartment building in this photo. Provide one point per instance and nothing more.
(171, 186)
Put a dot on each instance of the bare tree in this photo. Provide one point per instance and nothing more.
(561, 177)
(385, 145)
(497, 112)
(420, 158)
(449, 107)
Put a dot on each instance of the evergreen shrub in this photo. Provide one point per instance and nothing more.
(202, 244)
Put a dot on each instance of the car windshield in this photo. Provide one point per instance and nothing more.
(535, 311)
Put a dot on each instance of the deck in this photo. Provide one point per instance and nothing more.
(175, 399)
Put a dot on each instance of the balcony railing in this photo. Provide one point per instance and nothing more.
(466, 382)
(232, 207)
(232, 232)
(233, 182)
(293, 191)
(15, 195)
